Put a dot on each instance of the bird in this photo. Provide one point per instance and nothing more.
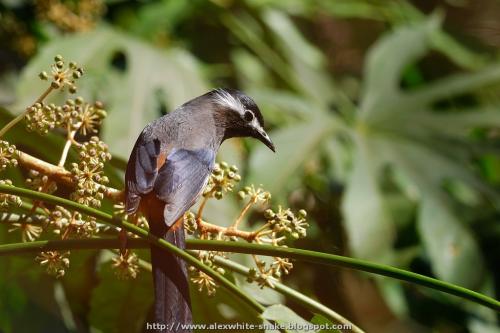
(169, 166)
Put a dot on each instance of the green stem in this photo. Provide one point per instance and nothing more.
(70, 244)
(347, 262)
(107, 218)
(114, 243)
(12, 123)
(268, 250)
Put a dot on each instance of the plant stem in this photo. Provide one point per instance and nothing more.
(67, 146)
(347, 262)
(109, 219)
(20, 117)
(243, 212)
(132, 243)
(60, 174)
(70, 244)
(259, 249)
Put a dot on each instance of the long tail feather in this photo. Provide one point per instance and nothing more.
(171, 285)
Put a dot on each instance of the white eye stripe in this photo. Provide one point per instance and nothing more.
(226, 99)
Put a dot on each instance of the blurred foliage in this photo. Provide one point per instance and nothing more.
(385, 115)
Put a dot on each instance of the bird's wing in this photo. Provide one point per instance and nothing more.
(142, 170)
(181, 180)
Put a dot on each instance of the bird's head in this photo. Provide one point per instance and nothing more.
(239, 115)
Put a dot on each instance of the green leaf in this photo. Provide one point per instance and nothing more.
(131, 94)
(385, 64)
(452, 249)
(285, 317)
(294, 145)
(323, 322)
(363, 205)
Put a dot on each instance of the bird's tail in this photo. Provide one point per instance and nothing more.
(171, 286)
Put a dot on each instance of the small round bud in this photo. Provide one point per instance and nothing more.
(241, 195)
(217, 170)
(218, 195)
(223, 165)
(58, 58)
(234, 168)
(269, 214)
(55, 85)
(79, 100)
(72, 89)
(59, 64)
(237, 178)
(43, 76)
(302, 213)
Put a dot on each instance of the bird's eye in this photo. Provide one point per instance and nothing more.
(248, 116)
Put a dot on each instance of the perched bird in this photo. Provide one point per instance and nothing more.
(167, 171)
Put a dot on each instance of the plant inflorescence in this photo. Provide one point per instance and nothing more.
(88, 184)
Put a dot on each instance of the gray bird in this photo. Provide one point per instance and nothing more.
(167, 171)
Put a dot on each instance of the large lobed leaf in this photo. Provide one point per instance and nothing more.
(131, 77)
(400, 129)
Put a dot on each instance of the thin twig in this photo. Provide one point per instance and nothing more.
(242, 214)
(67, 146)
(60, 174)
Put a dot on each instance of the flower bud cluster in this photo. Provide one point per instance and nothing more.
(222, 179)
(190, 223)
(41, 118)
(126, 265)
(8, 155)
(266, 274)
(40, 182)
(55, 262)
(79, 115)
(75, 114)
(204, 281)
(62, 75)
(7, 201)
(256, 195)
(29, 232)
(286, 222)
(88, 173)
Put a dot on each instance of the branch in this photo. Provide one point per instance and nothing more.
(59, 174)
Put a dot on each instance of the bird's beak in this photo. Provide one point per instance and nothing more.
(265, 139)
